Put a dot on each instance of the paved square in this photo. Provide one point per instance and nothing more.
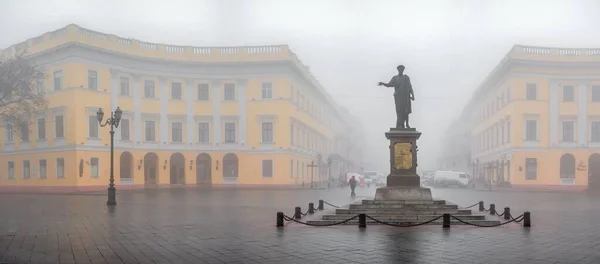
(238, 226)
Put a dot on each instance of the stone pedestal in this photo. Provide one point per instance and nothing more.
(403, 183)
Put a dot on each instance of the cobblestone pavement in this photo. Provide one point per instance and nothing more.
(237, 226)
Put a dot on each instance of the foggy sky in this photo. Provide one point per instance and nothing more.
(447, 46)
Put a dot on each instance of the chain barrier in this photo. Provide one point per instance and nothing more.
(410, 225)
(304, 214)
(500, 215)
(519, 219)
(287, 218)
(471, 206)
(331, 205)
(496, 225)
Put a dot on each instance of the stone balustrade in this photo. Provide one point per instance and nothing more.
(74, 33)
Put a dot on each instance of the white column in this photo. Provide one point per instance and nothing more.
(114, 90)
(554, 114)
(137, 109)
(582, 115)
(189, 105)
(164, 110)
(216, 107)
(241, 95)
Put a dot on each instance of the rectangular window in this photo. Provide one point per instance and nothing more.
(508, 130)
(177, 132)
(26, 170)
(267, 132)
(9, 133)
(229, 92)
(148, 89)
(595, 131)
(267, 91)
(124, 129)
(150, 131)
(531, 130)
(176, 91)
(43, 169)
(291, 168)
(93, 126)
(11, 170)
(41, 125)
(41, 90)
(568, 93)
(530, 169)
(292, 135)
(59, 126)
(60, 168)
(229, 132)
(94, 167)
(203, 92)
(58, 84)
(568, 131)
(124, 86)
(596, 93)
(93, 80)
(502, 133)
(531, 91)
(267, 168)
(25, 132)
(203, 133)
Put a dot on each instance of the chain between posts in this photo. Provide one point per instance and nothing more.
(287, 218)
(496, 225)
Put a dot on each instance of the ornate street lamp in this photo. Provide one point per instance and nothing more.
(113, 121)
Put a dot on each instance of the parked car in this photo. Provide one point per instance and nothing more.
(449, 178)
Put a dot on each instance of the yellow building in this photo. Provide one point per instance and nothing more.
(536, 119)
(191, 115)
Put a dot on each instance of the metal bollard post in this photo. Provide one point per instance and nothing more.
(481, 208)
(446, 221)
(526, 219)
(298, 213)
(321, 205)
(362, 220)
(311, 208)
(492, 209)
(279, 219)
(506, 213)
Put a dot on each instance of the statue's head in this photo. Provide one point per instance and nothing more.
(400, 69)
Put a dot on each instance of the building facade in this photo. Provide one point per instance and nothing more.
(191, 115)
(536, 119)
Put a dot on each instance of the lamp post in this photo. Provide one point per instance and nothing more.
(113, 121)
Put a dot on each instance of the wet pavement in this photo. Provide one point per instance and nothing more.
(238, 226)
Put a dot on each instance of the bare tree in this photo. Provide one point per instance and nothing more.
(19, 94)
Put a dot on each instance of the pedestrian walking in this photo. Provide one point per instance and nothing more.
(352, 185)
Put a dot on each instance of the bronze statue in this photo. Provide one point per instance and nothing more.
(403, 95)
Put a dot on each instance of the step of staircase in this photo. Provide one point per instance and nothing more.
(404, 213)
(416, 218)
(404, 206)
(401, 222)
(370, 201)
(386, 211)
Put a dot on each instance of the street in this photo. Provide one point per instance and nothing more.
(238, 226)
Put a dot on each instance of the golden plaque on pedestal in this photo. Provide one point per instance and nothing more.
(403, 156)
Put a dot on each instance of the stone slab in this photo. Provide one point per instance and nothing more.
(405, 193)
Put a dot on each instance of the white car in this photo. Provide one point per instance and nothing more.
(448, 178)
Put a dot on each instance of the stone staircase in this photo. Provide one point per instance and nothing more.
(403, 213)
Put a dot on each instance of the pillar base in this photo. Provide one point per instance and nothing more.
(403, 193)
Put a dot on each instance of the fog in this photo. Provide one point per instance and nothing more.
(448, 47)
